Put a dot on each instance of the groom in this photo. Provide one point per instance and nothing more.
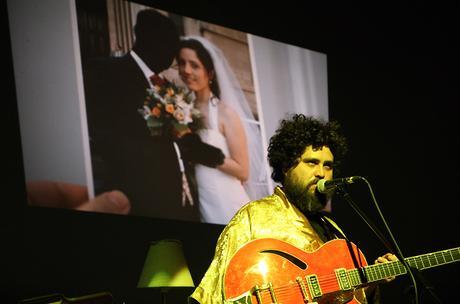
(124, 154)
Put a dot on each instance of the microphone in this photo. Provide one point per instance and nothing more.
(325, 186)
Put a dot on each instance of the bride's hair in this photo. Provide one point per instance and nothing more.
(205, 58)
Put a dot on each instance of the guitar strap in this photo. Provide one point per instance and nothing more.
(331, 225)
(326, 228)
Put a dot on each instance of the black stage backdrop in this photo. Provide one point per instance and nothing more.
(392, 72)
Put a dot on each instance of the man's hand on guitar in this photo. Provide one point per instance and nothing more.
(388, 257)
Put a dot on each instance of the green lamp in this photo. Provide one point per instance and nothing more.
(165, 267)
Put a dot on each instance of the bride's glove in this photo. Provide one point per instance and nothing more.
(194, 150)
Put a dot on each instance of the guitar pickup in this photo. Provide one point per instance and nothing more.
(342, 279)
(313, 286)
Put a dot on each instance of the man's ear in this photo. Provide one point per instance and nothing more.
(286, 171)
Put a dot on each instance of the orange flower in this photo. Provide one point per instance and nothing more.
(170, 91)
(169, 108)
(156, 112)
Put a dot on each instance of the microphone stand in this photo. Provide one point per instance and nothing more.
(342, 191)
(425, 284)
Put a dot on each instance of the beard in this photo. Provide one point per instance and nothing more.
(306, 201)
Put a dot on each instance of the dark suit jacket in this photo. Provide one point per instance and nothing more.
(124, 154)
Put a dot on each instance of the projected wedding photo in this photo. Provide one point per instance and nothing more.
(172, 111)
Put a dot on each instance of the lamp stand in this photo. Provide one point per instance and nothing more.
(163, 293)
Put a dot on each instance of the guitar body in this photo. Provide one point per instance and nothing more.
(280, 273)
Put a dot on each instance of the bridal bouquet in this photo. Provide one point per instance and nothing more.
(168, 109)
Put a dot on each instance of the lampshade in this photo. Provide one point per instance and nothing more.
(165, 266)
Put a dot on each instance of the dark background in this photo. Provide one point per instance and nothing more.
(393, 84)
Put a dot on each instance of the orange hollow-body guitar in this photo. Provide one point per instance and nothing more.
(272, 271)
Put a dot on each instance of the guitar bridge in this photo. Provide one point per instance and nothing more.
(266, 287)
(303, 290)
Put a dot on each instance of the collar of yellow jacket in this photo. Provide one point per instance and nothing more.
(279, 192)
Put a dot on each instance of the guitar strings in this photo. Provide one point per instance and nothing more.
(328, 283)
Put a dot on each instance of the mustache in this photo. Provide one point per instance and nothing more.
(313, 182)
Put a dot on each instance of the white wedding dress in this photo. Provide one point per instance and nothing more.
(220, 194)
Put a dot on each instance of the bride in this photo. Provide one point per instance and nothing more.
(226, 116)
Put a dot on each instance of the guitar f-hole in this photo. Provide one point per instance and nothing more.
(288, 257)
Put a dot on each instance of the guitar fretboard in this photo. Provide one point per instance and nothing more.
(378, 272)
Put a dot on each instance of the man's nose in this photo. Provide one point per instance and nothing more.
(319, 171)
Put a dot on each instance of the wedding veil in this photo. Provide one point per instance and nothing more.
(231, 93)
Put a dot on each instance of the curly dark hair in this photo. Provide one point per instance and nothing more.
(298, 132)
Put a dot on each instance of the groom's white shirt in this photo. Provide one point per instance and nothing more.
(144, 68)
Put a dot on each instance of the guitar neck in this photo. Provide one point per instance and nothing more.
(378, 272)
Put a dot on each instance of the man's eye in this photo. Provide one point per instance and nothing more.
(309, 162)
(329, 166)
